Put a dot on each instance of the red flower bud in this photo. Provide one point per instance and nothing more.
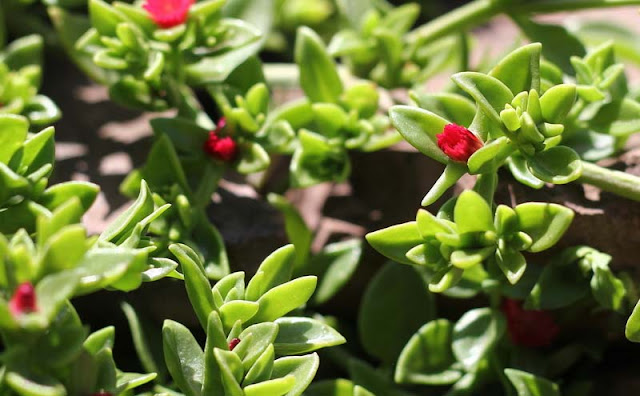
(458, 143)
(168, 13)
(529, 328)
(233, 343)
(23, 299)
(221, 148)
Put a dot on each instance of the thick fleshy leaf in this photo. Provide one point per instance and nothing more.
(490, 157)
(297, 230)
(299, 335)
(394, 242)
(520, 70)
(394, 306)
(450, 176)
(196, 282)
(334, 266)
(472, 213)
(303, 368)
(184, 357)
(512, 263)
(558, 286)
(449, 106)
(557, 102)
(284, 298)
(545, 223)
(489, 92)
(475, 335)
(557, 165)
(318, 73)
(527, 384)
(276, 269)
(632, 329)
(427, 358)
(420, 127)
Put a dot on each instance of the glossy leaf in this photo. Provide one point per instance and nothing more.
(545, 223)
(303, 335)
(318, 74)
(427, 358)
(394, 306)
(476, 334)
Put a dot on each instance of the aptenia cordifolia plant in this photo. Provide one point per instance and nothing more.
(487, 291)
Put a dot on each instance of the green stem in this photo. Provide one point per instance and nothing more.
(619, 183)
(480, 11)
(568, 5)
(460, 19)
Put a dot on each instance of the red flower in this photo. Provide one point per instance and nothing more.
(458, 143)
(23, 299)
(222, 148)
(529, 328)
(233, 343)
(168, 13)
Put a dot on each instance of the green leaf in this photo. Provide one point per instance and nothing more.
(337, 387)
(607, 289)
(254, 341)
(472, 213)
(558, 286)
(184, 357)
(489, 92)
(557, 102)
(334, 266)
(389, 316)
(284, 298)
(262, 368)
(102, 267)
(196, 282)
(618, 118)
(13, 132)
(318, 73)
(452, 173)
(490, 157)
(394, 242)
(449, 106)
(476, 334)
(58, 194)
(559, 45)
(163, 167)
(427, 358)
(216, 339)
(632, 329)
(303, 368)
(302, 335)
(276, 269)
(141, 208)
(274, 387)
(520, 70)
(316, 160)
(53, 291)
(527, 384)
(253, 158)
(557, 165)
(231, 371)
(297, 231)
(104, 17)
(520, 171)
(545, 223)
(141, 342)
(420, 127)
(237, 310)
(512, 263)
(31, 384)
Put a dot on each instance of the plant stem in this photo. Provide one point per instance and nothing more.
(619, 183)
(568, 5)
(460, 19)
(480, 11)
